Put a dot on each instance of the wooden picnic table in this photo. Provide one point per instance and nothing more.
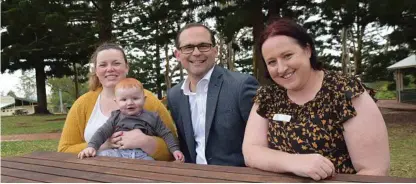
(67, 168)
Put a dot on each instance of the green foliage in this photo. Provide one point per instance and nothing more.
(31, 124)
(376, 68)
(39, 34)
(67, 87)
(18, 148)
(62, 34)
(11, 93)
(27, 85)
(386, 95)
(402, 15)
(383, 91)
(245, 65)
(391, 86)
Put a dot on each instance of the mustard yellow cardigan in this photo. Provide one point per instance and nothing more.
(72, 137)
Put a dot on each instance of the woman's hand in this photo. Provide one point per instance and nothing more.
(314, 166)
(113, 141)
(133, 139)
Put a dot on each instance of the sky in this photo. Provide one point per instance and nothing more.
(9, 82)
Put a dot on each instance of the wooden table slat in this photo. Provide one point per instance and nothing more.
(228, 169)
(94, 177)
(166, 166)
(33, 175)
(65, 167)
(11, 179)
(242, 170)
(118, 171)
(124, 167)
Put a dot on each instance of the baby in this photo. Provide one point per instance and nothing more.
(130, 98)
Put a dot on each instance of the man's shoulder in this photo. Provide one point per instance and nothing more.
(235, 77)
(176, 89)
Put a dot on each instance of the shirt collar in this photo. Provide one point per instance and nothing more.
(186, 83)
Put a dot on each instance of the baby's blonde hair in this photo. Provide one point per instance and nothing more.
(129, 83)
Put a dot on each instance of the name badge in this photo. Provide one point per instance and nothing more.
(282, 117)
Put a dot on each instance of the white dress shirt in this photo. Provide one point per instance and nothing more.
(198, 105)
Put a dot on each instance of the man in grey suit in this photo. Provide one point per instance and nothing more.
(211, 107)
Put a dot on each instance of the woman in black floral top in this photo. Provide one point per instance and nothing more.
(311, 122)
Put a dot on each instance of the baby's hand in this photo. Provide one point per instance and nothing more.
(179, 156)
(87, 152)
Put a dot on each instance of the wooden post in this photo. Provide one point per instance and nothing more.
(399, 84)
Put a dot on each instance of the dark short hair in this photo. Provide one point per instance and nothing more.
(288, 27)
(191, 25)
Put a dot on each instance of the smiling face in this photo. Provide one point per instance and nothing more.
(110, 67)
(287, 62)
(196, 63)
(130, 100)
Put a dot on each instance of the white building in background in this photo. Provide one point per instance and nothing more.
(15, 106)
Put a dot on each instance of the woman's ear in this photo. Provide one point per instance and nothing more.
(308, 50)
(128, 69)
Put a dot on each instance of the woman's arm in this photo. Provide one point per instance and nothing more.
(258, 155)
(72, 134)
(366, 138)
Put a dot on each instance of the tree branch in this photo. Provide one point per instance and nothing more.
(95, 4)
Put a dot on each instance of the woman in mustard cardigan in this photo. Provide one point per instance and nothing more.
(92, 109)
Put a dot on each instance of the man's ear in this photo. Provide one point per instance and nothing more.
(177, 54)
(215, 50)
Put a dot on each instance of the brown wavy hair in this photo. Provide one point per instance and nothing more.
(93, 81)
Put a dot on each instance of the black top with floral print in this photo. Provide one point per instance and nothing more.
(316, 126)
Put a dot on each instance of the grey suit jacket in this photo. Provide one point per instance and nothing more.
(229, 101)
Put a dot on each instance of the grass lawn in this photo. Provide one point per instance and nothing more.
(31, 124)
(25, 147)
(402, 137)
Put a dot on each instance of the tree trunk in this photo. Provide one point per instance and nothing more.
(76, 82)
(273, 9)
(358, 52)
(257, 22)
(344, 50)
(105, 15)
(230, 54)
(41, 108)
(158, 68)
(167, 77)
(220, 51)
